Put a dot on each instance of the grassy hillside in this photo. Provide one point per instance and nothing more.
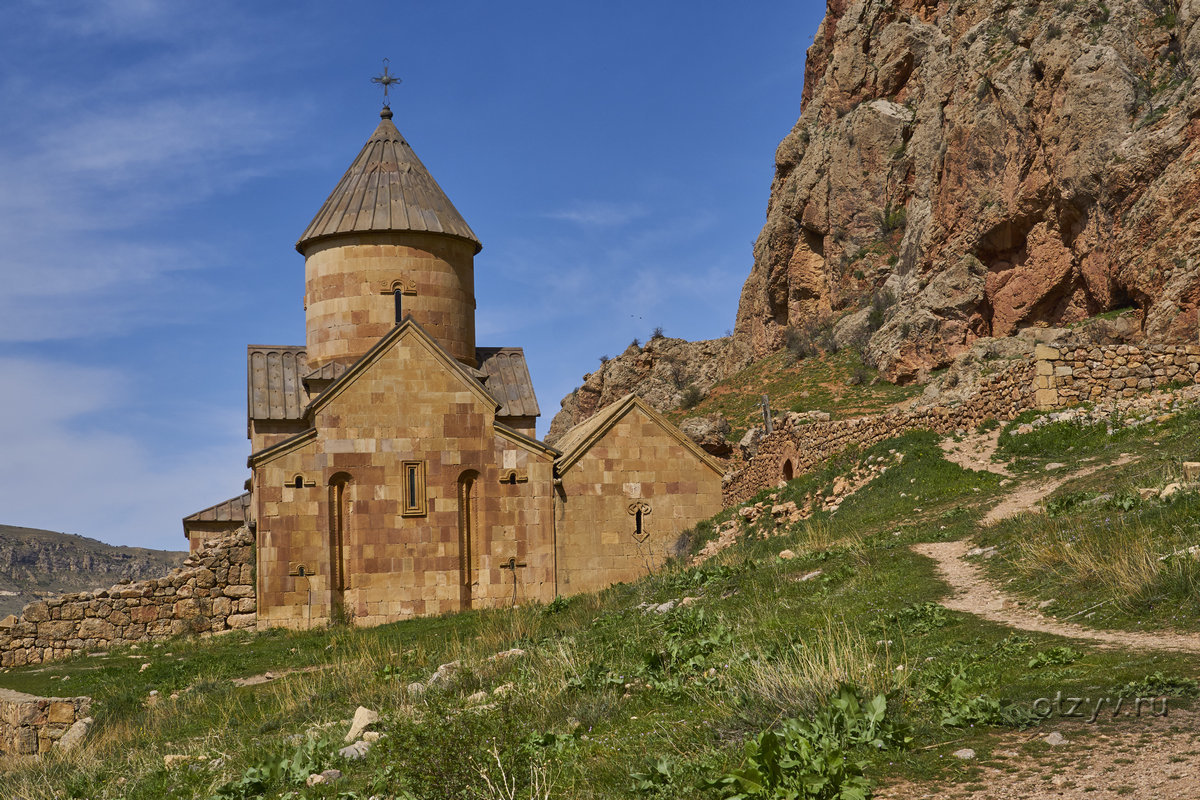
(731, 691)
(37, 563)
(835, 382)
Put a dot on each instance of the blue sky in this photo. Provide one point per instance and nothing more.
(158, 161)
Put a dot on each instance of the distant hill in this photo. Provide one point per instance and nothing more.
(36, 564)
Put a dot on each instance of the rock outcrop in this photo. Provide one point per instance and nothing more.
(663, 372)
(974, 169)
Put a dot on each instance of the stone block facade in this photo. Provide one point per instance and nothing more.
(350, 292)
(344, 528)
(212, 592)
(624, 499)
(32, 725)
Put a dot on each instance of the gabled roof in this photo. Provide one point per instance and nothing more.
(508, 380)
(275, 389)
(577, 441)
(408, 327)
(387, 188)
(235, 509)
(527, 442)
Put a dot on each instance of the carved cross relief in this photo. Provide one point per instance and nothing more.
(639, 510)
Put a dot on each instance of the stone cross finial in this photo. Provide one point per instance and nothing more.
(386, 80)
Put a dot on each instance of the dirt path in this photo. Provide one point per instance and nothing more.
(975, 452)
(1026, 498)
(1147, 757)
(974, 595)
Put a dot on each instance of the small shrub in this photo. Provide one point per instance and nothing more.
(690, 398)
(799, 344)
(657, 334)
(556, 606)
(881, 301)
(1055, 657)
(892, 218)
(810, 759)
(1159, 685)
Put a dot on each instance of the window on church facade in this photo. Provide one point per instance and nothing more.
(338, 524)
(414, 489)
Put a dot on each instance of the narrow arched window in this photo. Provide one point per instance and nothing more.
(339, 518)
(468, 550)
(298, 482)
(398, 296)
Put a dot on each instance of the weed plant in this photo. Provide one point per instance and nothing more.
(772, 667)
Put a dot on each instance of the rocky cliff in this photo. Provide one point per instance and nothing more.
(36, 563)
(969, 169)
(665, 372)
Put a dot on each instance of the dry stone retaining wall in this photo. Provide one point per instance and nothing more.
(30, 725)
(212, 592)
(1070, 373)
(1001, 395)
(1063, 373)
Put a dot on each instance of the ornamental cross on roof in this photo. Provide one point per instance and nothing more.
(385, 80)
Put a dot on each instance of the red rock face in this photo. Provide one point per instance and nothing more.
(984, 172)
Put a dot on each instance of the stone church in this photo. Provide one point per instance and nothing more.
(395, 466)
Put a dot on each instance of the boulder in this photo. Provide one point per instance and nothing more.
(711, 432)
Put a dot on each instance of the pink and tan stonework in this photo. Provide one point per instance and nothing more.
(349, 296)
(212, 592)
(32, 725)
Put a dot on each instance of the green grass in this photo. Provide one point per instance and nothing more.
(1096, 553)
(610, 701)
(820, 383)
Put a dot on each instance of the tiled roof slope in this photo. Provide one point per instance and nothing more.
(274, 386)
(387, 188)
(329, 372)
(508, 380)
(233, 510)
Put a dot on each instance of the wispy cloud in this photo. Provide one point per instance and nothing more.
(599, 214)
(61, 472)
(89, 185)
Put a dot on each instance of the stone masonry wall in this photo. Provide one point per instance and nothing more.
(1001, 395)
(1063, 373)
(1070, 373)
(212, 592)
(30, 725)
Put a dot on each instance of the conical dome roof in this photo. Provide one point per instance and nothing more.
(387, 188)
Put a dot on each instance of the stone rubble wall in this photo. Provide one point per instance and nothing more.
(1062, 374)
(212, 592)
(1072, 373)
(31, 725)
(1001, 395)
